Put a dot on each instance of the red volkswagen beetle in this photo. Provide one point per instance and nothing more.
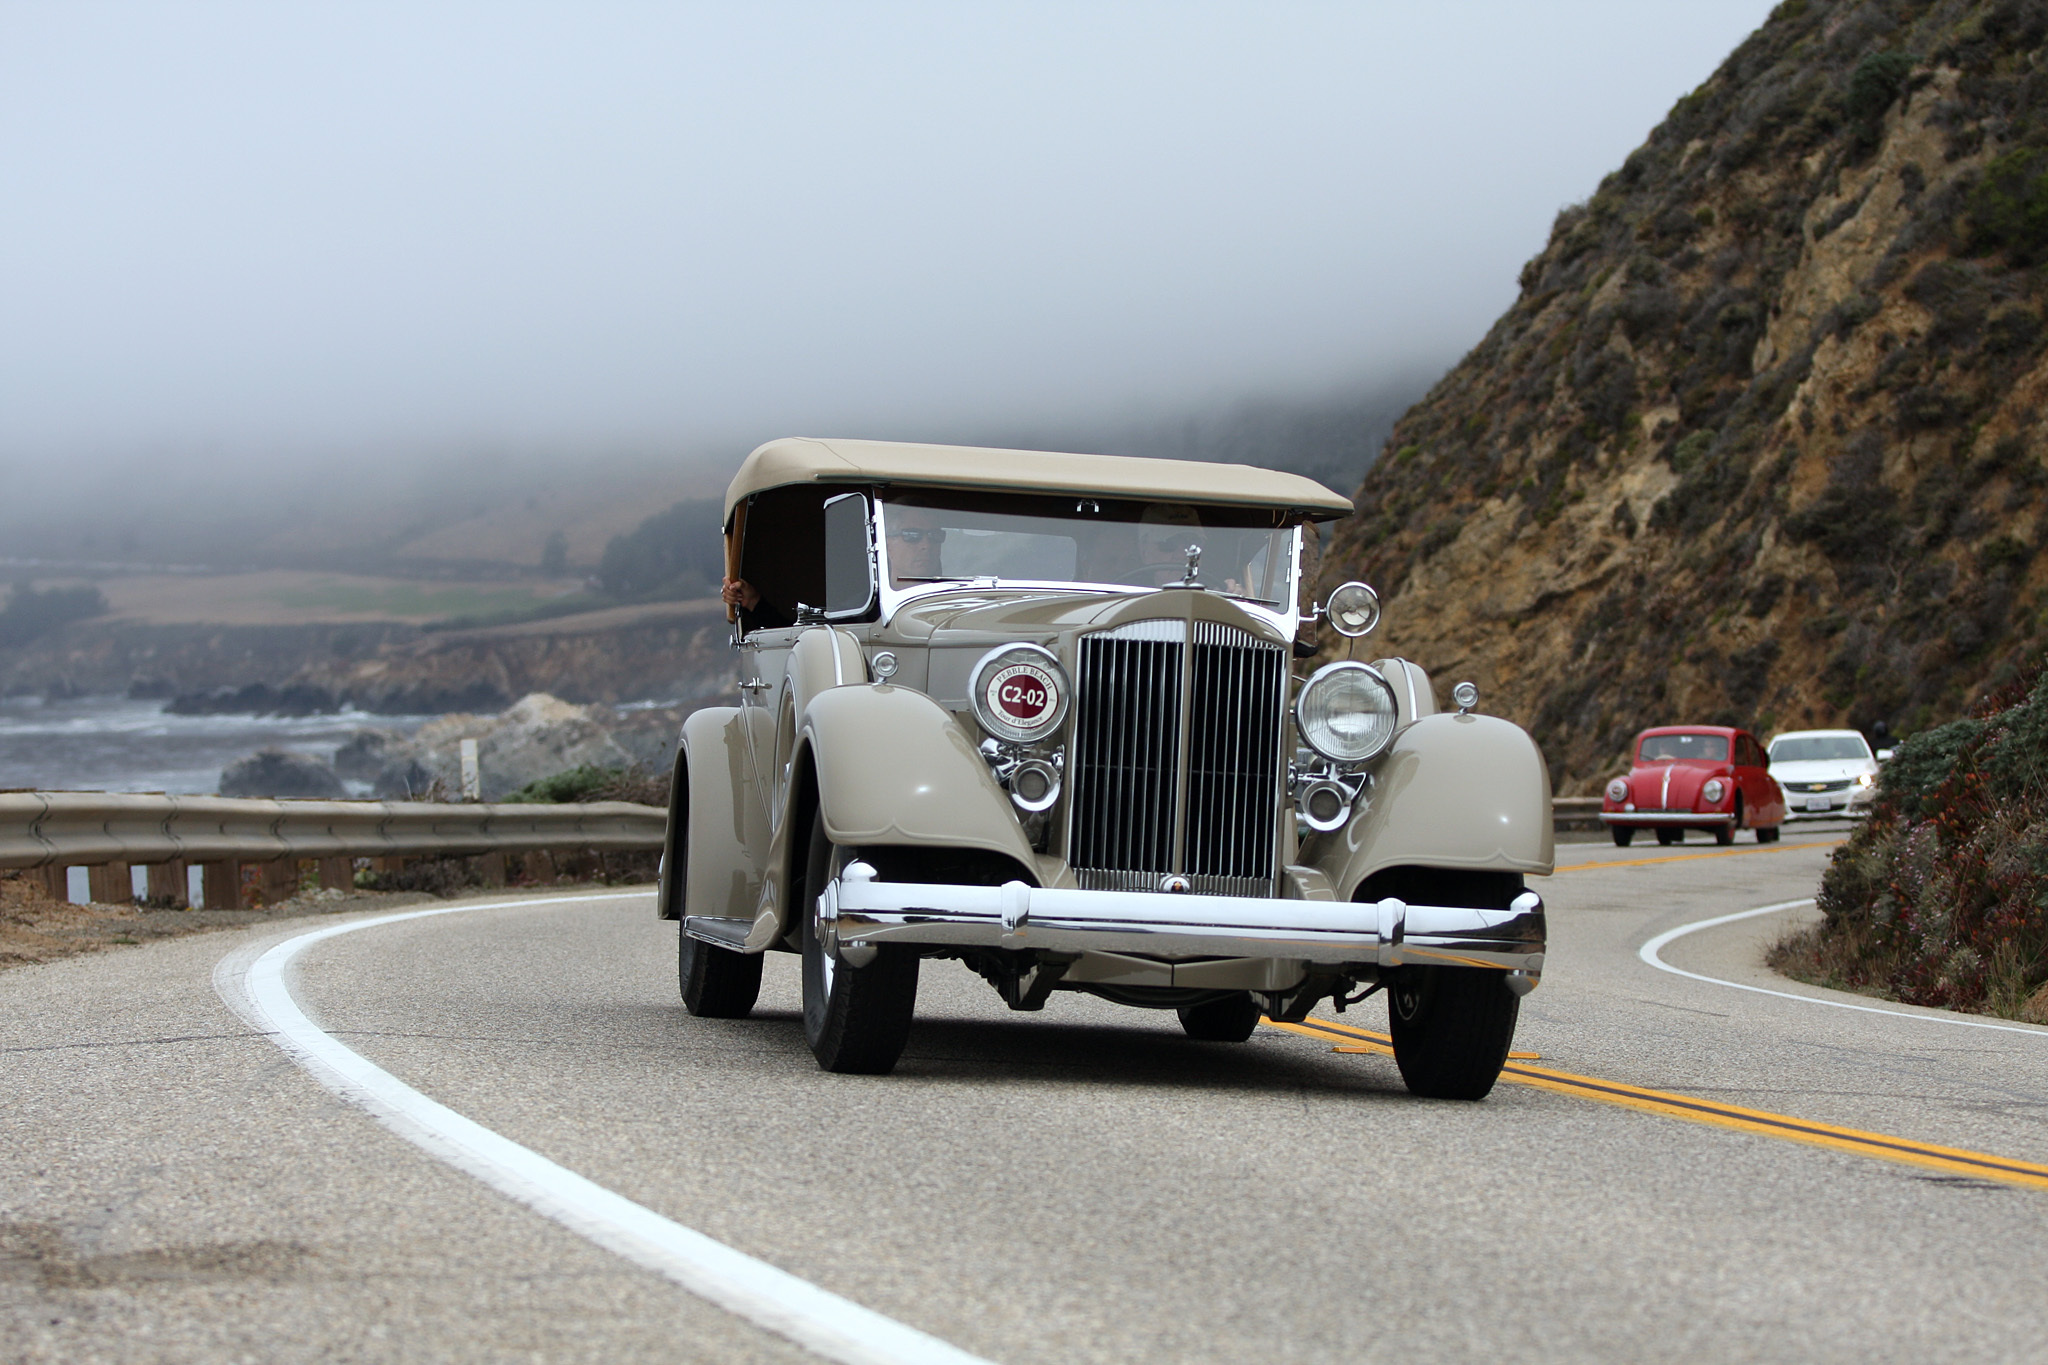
(1707, 777)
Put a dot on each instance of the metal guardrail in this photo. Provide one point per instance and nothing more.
(71, 829)
(1575, 813)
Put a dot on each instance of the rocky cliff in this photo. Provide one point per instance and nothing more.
(1762, 438)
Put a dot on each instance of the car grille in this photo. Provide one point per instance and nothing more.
(1148, 801)
(1841, 786)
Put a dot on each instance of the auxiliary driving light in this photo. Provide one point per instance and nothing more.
(1353, 609)
(1034, 786)
(1324, 805)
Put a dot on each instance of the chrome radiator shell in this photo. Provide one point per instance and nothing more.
(1176, 759)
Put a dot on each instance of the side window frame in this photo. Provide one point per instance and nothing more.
(865, 504)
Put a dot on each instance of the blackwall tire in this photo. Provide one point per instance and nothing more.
(1767, 834)
(717, 983)
(856, 1019)
(1231, 1019)
(1725, 834)
(1452, 1028)
(1623, 835)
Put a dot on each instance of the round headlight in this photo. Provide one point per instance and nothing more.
(1353, 609)
(1019, 693)
(1713, 791)
(1617, 790)
(1346, 712)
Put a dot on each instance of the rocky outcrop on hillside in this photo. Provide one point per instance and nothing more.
(1762, 438)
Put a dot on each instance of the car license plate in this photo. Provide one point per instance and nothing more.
(1819, 803)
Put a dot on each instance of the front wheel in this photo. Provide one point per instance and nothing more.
(1230, 1019)
(1623, 835)
(1452, 1027)
(856, 1019)
(717, 983)
(1725, 834)
(1767, 834)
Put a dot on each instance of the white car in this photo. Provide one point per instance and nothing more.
(1826, 774)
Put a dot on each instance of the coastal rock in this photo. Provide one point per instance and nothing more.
(407, 780)
(367, 755)
(281, 773)
(257, 699)
(538, 736)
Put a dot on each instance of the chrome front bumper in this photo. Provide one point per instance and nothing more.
(858, 911)
(1667, 817)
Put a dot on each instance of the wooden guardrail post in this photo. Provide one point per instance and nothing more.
(109, 884)
(168, 883)
(220, 884)
(338, 874)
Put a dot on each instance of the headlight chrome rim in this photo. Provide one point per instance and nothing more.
(1617, 790)
(1353, 609)
(1317, 722)
(1025, 718)
(1713, 791)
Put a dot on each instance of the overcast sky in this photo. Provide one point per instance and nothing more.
(299, 233)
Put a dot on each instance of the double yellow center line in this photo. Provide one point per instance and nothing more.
(1952, 1161)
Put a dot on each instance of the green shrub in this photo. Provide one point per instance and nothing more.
(1873, 86)
(576, 784)
(1921, 764)
(1942, 897)
(2009, 208)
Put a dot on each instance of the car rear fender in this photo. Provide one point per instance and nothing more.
(890, 766)
(1455, 791)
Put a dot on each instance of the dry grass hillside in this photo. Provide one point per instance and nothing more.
(1762, 438)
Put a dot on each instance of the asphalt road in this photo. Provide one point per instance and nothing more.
(1081, 1184)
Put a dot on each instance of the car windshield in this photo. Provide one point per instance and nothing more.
(1666, 748)
(1818, 748)
(938, 537)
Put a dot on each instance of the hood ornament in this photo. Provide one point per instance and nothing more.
(1194, 554)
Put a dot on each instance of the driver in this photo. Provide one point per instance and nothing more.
(914, 537)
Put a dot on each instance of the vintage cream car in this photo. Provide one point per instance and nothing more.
(1035, 713)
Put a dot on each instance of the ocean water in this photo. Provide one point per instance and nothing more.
(113, 744)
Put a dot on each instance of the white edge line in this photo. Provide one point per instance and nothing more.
(1649, 953)
(251, 981)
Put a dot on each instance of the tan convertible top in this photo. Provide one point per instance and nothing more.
(804, 459)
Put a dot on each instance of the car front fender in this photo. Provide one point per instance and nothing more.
(1454, 791)
(891, 767)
